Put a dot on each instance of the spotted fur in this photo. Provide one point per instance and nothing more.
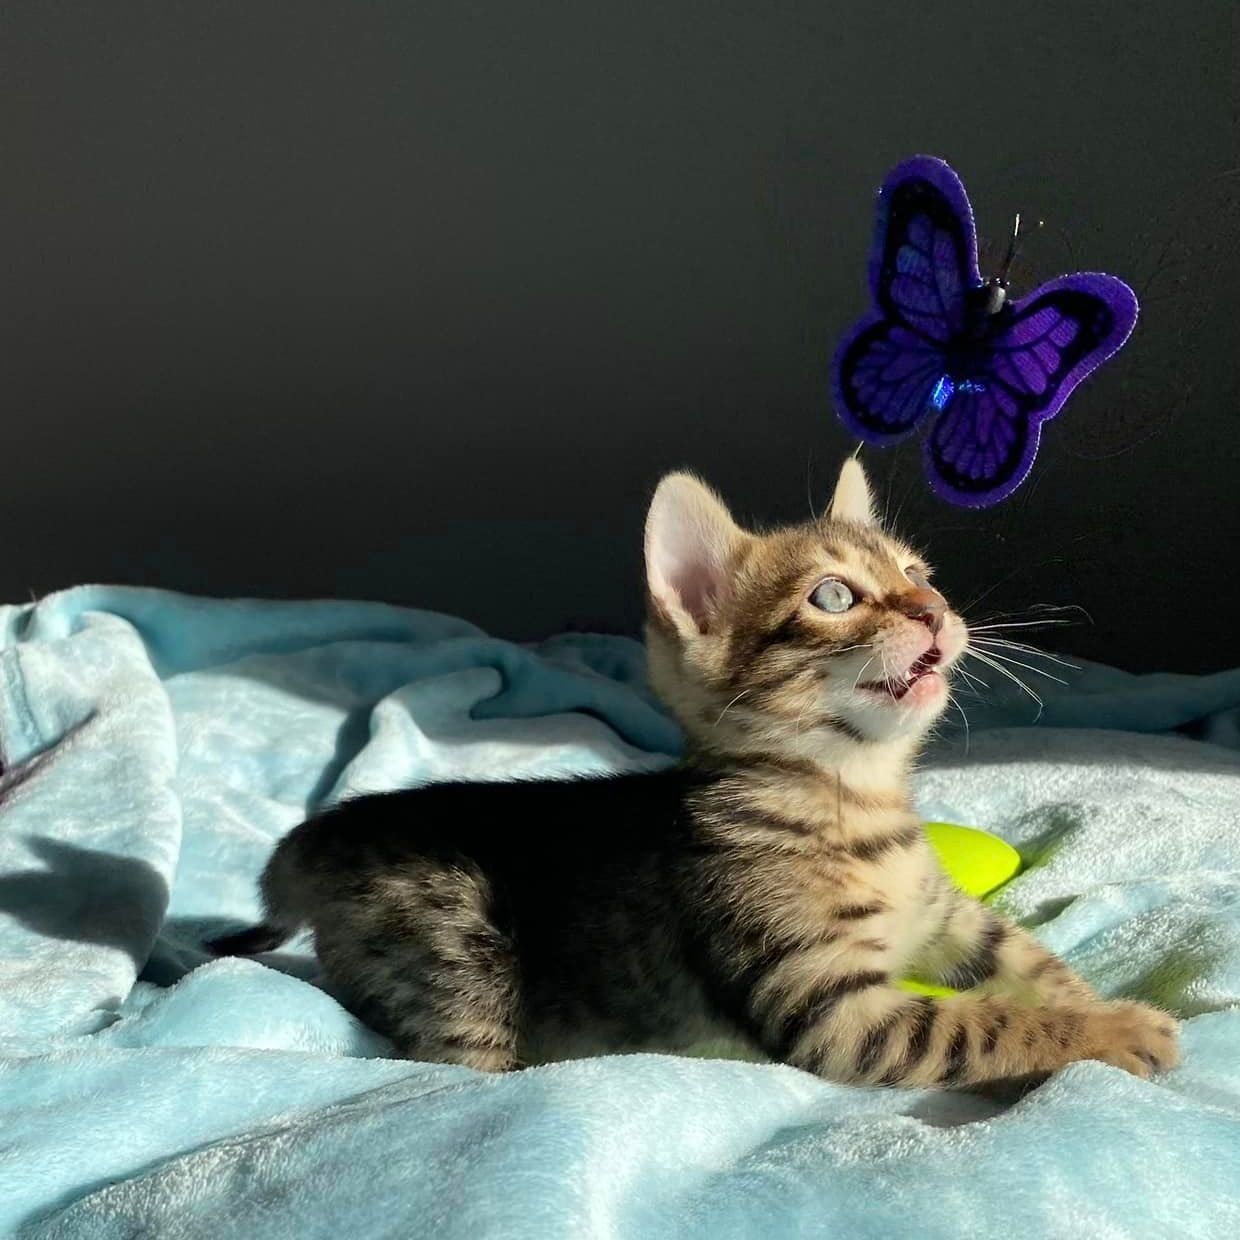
(768, 891)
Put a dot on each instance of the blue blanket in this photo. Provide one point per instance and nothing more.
(154, 748)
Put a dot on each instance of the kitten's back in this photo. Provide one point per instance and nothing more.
(529, 838)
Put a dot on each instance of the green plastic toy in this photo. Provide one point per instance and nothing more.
(977, 862)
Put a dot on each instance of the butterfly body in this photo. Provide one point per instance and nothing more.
(944, 344)
(994, 297)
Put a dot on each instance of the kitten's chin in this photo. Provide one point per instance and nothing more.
(883, 714)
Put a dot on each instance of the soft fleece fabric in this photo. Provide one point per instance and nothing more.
(154, 748)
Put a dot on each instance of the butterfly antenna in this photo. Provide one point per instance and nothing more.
(1011, 253)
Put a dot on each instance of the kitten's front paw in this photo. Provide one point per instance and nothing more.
(1133, 1036)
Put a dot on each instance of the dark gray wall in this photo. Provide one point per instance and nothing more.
(416, 301)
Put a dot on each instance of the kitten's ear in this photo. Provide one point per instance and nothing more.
(852, 500)
(690, 541)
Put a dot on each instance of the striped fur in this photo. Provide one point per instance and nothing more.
(767, 892)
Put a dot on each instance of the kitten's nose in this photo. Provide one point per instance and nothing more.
(927, 606)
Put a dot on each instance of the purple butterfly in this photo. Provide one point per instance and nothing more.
(946, 343)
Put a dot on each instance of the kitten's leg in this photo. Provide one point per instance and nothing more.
(419, 953)
(971, 945)
(857, 1027)
(831, 1008)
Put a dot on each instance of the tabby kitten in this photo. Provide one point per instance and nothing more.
(769, 890)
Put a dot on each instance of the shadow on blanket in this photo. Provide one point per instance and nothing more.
(87, 896)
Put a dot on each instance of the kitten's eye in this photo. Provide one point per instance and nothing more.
(918, 578)
(833, 596)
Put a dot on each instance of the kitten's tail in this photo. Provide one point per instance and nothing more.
(250, 942)
(284, 891)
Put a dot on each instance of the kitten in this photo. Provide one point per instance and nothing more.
(771, 889)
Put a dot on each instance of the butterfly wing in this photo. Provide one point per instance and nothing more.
(982, 446)
(922, 266)
(885, 374)
(924, 259)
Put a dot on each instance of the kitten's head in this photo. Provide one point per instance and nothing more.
(823, 634)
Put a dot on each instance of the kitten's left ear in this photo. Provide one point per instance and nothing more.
(852, 500)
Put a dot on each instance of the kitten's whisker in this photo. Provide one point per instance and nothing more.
(1042, 615)
(1037, 613)
(895, 521)
(863, 668)
(887, 680)
(973, 602)
(992, 642)
(1018, 624)
(951, 697)
(1014, 678)
(1061, 607)
(1033, 626)
(1029, 667)
(729, 706)
(969, 676)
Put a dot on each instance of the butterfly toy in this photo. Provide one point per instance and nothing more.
(946, 348)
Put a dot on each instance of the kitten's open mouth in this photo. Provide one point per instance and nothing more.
(897, 688)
